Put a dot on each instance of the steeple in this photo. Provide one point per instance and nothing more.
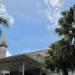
(3, 47)
(3, 41)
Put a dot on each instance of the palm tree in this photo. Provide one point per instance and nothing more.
(4, 21)
(4, 17)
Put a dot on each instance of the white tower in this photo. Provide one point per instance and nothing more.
(3, 47)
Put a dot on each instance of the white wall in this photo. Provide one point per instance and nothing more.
(54, 73)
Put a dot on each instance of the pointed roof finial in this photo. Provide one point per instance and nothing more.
(3, 41)
(4, 37)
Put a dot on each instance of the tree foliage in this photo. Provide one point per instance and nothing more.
(61, 54)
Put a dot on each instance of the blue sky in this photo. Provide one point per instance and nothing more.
(35, 21)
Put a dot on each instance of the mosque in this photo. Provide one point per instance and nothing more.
(24, 64)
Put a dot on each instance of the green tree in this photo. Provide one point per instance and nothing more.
(5, 18)
(61, 54)
(4, 21)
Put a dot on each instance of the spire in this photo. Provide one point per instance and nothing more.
(3, 42)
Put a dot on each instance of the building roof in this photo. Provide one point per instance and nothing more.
(14, 62)
(38, 55)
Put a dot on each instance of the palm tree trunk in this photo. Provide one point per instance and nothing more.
(65, 72)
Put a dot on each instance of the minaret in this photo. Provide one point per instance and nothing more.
(3, 47)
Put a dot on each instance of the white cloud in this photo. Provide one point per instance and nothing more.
(8, 53)
(54, 2)
(52, 11)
